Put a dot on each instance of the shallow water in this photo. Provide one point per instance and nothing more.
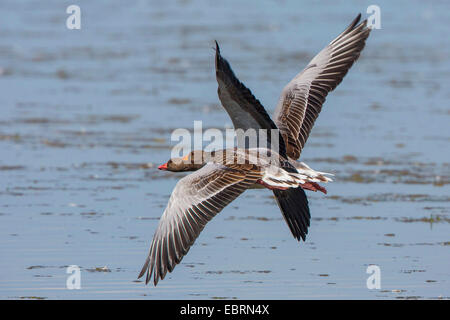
(87, 115)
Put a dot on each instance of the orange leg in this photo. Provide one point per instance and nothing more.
(313, 187)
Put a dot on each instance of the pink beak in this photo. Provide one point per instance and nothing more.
(163, 167)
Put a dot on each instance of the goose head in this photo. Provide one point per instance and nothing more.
(193, 161)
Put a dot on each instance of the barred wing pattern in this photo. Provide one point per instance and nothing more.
(196, 199)
(302, 98)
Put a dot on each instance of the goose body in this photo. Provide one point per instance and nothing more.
(221, 176)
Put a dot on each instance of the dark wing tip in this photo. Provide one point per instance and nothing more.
(223, 68)
(148, 268)
(146, 271)
(357, 19)
(217, 47)
(219, 59)
(144, 268)
(353, 24)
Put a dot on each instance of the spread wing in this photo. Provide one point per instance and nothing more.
(302, 98)
(196, 199)
(245, 111)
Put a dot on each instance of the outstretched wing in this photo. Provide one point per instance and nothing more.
(302, 98)
(245, 111)
(196, 199)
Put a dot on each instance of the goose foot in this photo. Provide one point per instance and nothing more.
(313, 187)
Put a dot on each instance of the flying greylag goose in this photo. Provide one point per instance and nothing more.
(221, 176)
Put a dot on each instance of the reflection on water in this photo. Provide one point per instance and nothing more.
(87, 117)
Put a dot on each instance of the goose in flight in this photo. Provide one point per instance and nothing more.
(221, 176)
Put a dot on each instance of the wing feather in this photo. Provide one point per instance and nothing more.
(196, 199)
(302, 99)
(245, 111)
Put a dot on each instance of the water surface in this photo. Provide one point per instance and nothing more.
(87, 116)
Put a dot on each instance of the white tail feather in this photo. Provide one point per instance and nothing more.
(277, 177)
(314, 176)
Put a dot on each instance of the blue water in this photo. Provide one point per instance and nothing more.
(87, 116)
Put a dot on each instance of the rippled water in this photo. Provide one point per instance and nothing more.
(87, 115)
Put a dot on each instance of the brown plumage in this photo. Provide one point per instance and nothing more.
(196, 199)
(221, 176)
(302, 99)
(297, 109)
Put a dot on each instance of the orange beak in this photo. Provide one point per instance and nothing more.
(163, 167)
